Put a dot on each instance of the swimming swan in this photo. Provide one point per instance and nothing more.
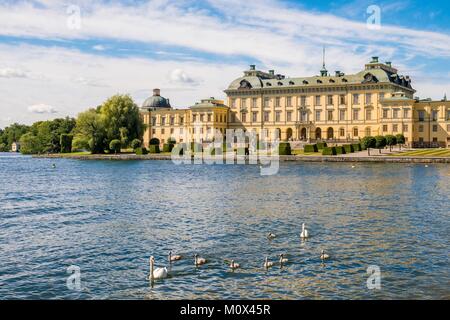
(304, 234)
(234, 265)
(283, 259)
(173, 257)
(271, 236)
(158, 273)
(267, 264)
(199, 261)
(324, 256)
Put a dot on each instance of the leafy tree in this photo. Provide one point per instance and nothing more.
(122, 119)
(368, 142)
(136, 143)
(30, 144)
(3, 147)
(91, 127)
(13, 133)
(66, 143)
(391, 141)
(115, 145)
(400, 139)
(80, 143)
(380, 143)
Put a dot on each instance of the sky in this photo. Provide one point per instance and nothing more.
(59, 58)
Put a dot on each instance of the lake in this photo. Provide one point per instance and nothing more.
(108, 217)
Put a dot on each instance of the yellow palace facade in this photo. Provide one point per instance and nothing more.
(333, 107)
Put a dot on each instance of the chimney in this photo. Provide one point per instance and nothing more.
(156, 92)
(272, 72)
(252, 67)
(338, 73)
(389, 64)
(374, 60)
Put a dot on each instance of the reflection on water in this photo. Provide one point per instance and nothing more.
(109, 217)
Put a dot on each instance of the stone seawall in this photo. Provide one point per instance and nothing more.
(380, 159)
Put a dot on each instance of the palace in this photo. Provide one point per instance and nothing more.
(339, 108)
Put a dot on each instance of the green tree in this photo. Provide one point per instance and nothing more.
(368, 142)
(30, 144)
(391, 141)
(115, 145)
(80, 143)
(380, 143)
(13, 133)
(66, 143)
(136, 143)
(3, 147)
(400, 140)
(122, 119)
(91, 127)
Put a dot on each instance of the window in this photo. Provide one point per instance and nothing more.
(254, 116)
(381, 96)
(355, 98)
(266, 102)
(202, 117)
(448, 115)
(448, 127)
(355, 114)
(278, 116)
(355, 132)
(317, 102)
(318, 115)
(277, 102)
(435, 128)
(162, 131)
(435, 139)
(171, 130)
(243, 117)
(421, 128)
(330, 100)
(163, 121)
(303, 102)
(153, 131)
(194, 118)
(342, 132)
(266, 116)
(289, 116)
(254, 102)
(172, 121)
(181, 130)
(288, 102)
(233, 103)
(434, 115)
(405, 128)
(385, 113)
(243, 103)
(342, 115)
(395, 114)
(153, 121)
(330, 115)
(209, 117)
(395, 128)
(385, 128)
(342, 99)
(421, 115)
(368, 114)
(368, 132)
(368, 98)
(405, 113)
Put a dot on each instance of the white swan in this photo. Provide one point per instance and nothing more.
(271, 236)
(199, 261)
(158, 273)
(174, 257)
(234, 265)
(268, 264)
(304, 234)
(324, 256)
(283, 259)
(353, 166)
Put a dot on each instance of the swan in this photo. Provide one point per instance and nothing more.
(324, 256)
(271, 236)
(305, 233)
(353, 166)
(267, 264)
(199, 261)
(283, 259)
(426, 166)
(234, 265)
(158, 273)
(173, 257)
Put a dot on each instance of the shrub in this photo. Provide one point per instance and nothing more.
(380, 142)
(340, 150)
(153, 148)
(400, 139)
(284, 149)
(367, 143)
(356, 147)
(136, 143)
(66, 143)
(167, 147)
(141, 151)
(311, 148)
(154, 142)
(348, 148)
(329, 151)
(115, 145)
(321, 145)
(391, 141)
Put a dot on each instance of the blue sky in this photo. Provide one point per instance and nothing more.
(194, 49)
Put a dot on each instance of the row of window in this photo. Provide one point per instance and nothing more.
(302, 100)
(180, 131)
(434, 115)
(163, 120)
(171, 121)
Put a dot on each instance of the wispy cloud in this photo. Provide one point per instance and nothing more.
(12, 73)
(42, 108)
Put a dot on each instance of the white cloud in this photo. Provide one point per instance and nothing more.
(42, 108)
(99, 47)
(12, 73)
(179, 76)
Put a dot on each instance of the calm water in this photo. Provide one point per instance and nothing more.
(109, 217)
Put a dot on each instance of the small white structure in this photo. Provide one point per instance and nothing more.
(15, 147)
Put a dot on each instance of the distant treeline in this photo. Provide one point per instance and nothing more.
(117, 119)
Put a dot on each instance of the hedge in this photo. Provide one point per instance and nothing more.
(167, 147)
(340, 150)
(329, 151)
(153, 148)
(348, 148)
(284, 149)
(136, 143)
(66, 143)
(311, 148)
(141, 151)
(356, 147)
(321, 145)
